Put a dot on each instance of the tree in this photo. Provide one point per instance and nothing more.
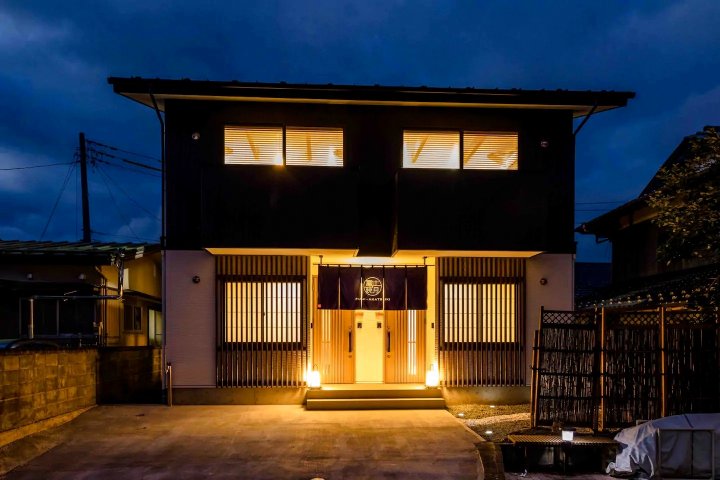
(687, 202)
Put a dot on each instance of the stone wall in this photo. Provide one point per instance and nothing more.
(35, 386)
(129, 375)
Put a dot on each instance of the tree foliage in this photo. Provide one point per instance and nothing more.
(688, 202)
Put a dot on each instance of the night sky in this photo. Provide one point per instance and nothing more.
(56, 57)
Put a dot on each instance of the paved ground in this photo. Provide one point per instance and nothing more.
(254, 442)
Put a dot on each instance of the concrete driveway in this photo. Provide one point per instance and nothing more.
(254, 442)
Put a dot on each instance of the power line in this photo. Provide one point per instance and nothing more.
(57, 200)
(125, 160)
(125, 151)
(117, 185)
(36, 166)
(126, 168)
(112, 197)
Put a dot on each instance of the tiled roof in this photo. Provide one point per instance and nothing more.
(36, 249)
(698, 286)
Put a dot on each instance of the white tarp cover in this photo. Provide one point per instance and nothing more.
(638, 454)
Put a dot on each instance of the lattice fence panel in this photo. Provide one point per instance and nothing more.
(631, 375)
(566, 371)
(693, 362)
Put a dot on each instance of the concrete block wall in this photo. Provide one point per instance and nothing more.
(35, 386)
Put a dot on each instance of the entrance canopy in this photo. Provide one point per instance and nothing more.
(372, 288)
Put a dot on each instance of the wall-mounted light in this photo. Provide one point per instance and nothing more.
(196, 279)
(544, 144)
(29, 276)
(568, 434)
(543, 281)
(195, 136)
(82, 276)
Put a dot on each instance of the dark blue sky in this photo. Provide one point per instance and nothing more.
(56, 56)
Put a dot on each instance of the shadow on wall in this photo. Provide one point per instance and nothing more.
(129, 375)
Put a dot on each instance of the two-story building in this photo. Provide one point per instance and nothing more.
(362, 235)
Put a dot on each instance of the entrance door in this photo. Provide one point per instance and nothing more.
(405, 346)
(369, 346)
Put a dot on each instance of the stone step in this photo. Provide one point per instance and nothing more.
(374, 393)
(374, 403)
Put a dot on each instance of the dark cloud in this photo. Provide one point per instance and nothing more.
(56, 57)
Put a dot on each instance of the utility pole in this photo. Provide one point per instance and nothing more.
(84, 185)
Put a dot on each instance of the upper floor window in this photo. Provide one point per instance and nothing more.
(297, 146)
(431, 149)
(480, 150)
(490, 151)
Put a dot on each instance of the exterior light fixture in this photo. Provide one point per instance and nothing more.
(29, 276)
(461, 414)
(432, 377)
(313, 379)
(568, 434)
(543, 281)
(196, 279)
(196, 136)
(488, 432)
(82, 276)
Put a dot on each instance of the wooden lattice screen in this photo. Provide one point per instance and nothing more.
(262, 320)
(606, 369)
(481, 321)
(631, 378)
(692, 365)
(565, 369)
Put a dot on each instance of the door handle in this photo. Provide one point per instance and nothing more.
(350, 341)
(388, 341)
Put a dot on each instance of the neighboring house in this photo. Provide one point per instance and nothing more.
(69, 292)
(590, 277)
(365, 234)
(638, 278)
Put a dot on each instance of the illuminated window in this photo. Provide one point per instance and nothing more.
(321, 147)
(480, 150)
(479, 312)
(428, 149)
(269, 312)
(254, 145)
(302, 146)
(490, 151)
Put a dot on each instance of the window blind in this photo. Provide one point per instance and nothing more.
(431, 149)
(490, 151)
(321, 147)
(254, 145)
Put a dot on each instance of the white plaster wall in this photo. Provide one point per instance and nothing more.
(557, 294)
(190, 317)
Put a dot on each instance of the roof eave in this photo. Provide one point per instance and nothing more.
(580, 103)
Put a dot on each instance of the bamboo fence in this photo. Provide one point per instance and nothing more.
(608, 368)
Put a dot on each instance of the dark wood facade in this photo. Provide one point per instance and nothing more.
(371, 203)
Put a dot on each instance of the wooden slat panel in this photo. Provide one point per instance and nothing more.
(473, 299)
(262, 327)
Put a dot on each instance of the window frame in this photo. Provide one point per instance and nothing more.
(283, 128)
(458, 345)
(461, 147)
(224, 337)
(136, 313)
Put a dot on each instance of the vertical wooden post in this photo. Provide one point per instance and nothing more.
(663, 365)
